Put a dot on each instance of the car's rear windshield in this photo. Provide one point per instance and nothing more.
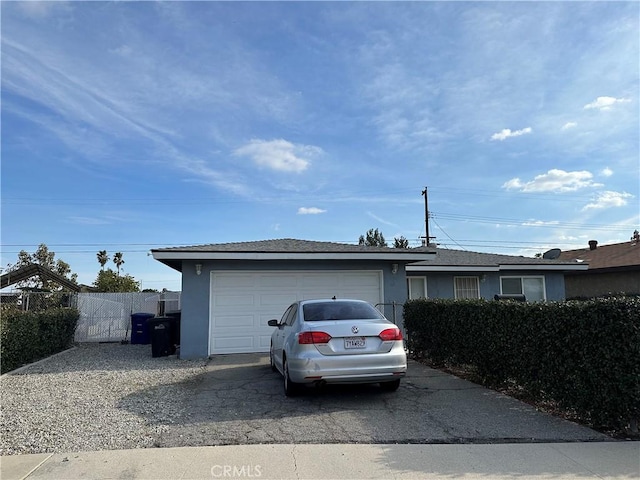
(314, 312)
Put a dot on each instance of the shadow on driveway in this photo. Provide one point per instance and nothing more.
(239, 400)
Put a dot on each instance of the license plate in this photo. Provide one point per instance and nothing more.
(355, 342)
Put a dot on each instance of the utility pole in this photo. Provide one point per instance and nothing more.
(426, 217)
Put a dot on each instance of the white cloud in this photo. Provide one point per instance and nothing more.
(310, 211)
(381, 220)
(569, 125)
(89, 221)
(554, 181)
(279, 155)
(608, 199)
(606, 172)
(605, 103)
(539, 223)
(41, 9)
(507, 133)
(123, 50)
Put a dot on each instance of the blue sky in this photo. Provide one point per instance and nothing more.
(131, 126)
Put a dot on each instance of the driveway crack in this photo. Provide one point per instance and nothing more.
(295, 461)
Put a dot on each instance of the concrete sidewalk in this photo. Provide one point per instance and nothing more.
(619, 460)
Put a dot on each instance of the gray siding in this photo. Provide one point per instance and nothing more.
(194, 329)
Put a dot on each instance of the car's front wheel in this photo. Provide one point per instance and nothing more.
(291, 389)
(390, 386)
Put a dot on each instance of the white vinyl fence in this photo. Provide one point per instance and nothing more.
(106, 317)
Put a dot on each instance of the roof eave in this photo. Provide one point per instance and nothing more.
(496, 268)
(452, 268)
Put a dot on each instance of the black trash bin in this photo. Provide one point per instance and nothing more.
(175, 326)
(140, 328)
(160, 331)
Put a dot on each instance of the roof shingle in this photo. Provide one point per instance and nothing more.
(615, 255)
(286, 245)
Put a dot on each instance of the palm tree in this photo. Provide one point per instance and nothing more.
(117, 259)
(103, 258)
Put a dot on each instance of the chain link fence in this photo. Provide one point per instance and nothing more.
(37, 301)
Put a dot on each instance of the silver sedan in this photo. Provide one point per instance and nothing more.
(336, 341)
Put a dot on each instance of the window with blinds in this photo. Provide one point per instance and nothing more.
(466, 287)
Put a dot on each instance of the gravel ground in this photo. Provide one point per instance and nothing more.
(90, 399)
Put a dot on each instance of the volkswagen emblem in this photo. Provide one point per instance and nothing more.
(354, 329)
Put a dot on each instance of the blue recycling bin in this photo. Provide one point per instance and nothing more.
(140, 334)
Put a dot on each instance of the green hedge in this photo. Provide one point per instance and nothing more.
(29, 336)
(585, 355)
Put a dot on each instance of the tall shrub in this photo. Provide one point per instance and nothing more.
(29, 336)
(583, 355)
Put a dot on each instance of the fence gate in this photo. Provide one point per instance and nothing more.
(106, 317)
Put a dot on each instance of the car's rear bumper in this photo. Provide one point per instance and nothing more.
(313, 367)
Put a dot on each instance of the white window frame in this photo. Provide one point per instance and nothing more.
(521, 278)
(466, 277)
(424, 287)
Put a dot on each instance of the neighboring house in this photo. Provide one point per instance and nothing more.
(613, 268)
(461, 274)
(231, 290)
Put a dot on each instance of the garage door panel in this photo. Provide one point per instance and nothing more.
(320, 282)
(234, 300)
(277, 281)
(271, 299)
(242, 304)
(360, 281)
(237, 344)
(234, 281)
(265, 342)
(270, 316)
(233, 321)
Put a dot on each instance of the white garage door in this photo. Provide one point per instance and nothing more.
(243, 302)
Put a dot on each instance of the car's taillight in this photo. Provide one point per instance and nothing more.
(390, 334)
(307, 338)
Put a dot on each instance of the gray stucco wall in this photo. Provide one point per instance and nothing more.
(194, 327)
(440, 285)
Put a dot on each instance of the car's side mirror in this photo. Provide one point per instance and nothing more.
(273, 323)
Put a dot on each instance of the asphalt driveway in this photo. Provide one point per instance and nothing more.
(237, 399)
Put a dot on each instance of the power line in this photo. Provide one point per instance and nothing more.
(330, 196)
(449, 236)
(528, 223)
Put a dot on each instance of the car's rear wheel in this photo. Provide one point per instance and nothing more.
(271, 360)
(290, 388)
(390, 386)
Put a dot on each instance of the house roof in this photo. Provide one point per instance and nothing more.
(617, 255)
(462, 260)
(287, 249)
(28, 271)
